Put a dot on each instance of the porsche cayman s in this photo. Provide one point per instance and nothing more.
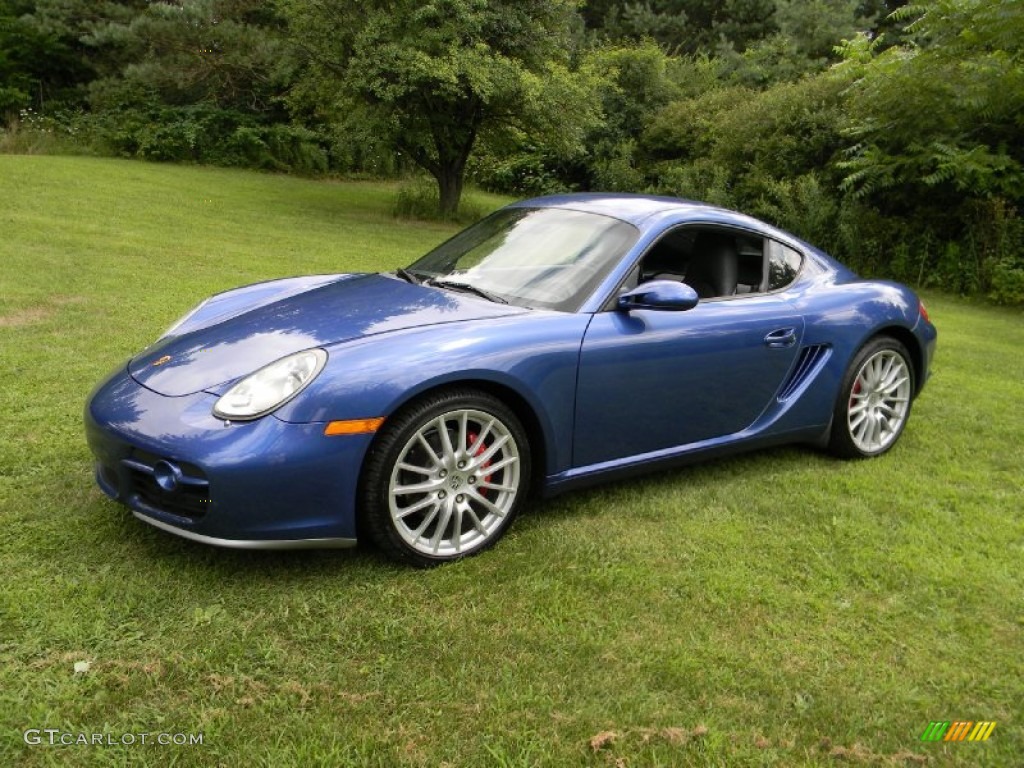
(557, 342)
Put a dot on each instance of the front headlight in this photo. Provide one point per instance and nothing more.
(271, 386)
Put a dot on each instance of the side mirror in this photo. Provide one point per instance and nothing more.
(660, 294)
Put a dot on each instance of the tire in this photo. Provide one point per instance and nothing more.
(874, 401)
(431, 495)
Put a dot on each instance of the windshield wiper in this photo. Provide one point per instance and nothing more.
(460, 286)
(408, 276)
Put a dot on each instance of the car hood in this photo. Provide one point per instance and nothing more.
(273, 323)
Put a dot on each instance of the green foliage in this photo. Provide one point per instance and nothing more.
(803, 43)
(803, 205)
(941, 114)
(687, 26)
(525, 171)
(756, 138)
(432, 77)
(39, 63)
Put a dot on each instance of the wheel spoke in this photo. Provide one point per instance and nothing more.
(413, 468)
(505, 462)
(413, 508)
(442, 526)
(426, 522)
(457, 528)
(496, 487)
(463, 431)
(876, 431)
(447, 451)
(490, 505)
(895, 385)
(427, 487)
(429, 449)
(476, 521)
(480, 438)
(887, 367)
(861, 417)
(493, 448)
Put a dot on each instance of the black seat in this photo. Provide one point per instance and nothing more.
(713, 265)
(663, 262)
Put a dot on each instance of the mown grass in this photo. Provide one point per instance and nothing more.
(778, 608)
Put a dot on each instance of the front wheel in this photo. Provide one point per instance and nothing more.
(445, 478)
(874, 402)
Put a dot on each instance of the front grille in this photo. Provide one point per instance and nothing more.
(189, 497)
(808, 363)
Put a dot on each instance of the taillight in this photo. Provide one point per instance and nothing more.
(923, 311)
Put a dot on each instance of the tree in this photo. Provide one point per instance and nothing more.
(685, 26)
(42, 61)
(434, 75)
(808, 31)
(941, 113)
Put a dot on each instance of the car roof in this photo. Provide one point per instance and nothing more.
(632, 208)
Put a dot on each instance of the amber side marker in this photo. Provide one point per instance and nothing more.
(353, 426)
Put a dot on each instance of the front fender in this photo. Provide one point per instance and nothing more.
(535, 355)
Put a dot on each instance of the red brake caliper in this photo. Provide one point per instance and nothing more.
(471, 438)
(855, 391)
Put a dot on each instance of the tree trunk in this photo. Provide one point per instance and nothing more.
(449, 188)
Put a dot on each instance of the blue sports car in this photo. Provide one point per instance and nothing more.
(557, 342)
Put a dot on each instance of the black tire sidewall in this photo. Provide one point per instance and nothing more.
(374, 518)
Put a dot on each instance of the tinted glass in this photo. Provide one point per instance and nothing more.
(783, 265)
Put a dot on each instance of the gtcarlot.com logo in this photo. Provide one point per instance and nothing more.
(958, 730)
(55, 737)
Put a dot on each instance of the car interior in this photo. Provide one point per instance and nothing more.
(713, 262)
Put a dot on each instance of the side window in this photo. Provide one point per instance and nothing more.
(715, 261)
(783, 265)
(667, 259)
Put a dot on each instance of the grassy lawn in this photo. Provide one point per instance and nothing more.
(780, 608)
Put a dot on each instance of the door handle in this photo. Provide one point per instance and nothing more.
(782, 338)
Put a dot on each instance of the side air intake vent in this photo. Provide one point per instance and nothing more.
(808, 363)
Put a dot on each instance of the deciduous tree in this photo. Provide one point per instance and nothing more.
(433, 75)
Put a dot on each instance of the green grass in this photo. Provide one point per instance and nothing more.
(779, 608)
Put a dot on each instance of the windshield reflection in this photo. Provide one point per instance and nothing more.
(546, 258)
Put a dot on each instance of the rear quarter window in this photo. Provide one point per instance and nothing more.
(783, 265)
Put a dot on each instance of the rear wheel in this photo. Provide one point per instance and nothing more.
(875, 399)
(445, 478)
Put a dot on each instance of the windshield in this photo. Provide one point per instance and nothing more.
(548, 258)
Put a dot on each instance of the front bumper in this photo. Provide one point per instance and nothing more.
(264, 484)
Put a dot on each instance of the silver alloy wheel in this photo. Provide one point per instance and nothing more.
(879, 401)
(455, 481)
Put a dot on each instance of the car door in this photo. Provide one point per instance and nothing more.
(651, 380)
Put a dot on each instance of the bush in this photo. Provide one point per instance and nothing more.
(524, 172)
(1008, 284)
(803, 206)
(702, 180)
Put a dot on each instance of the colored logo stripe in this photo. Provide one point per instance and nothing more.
(982, 731)
(958, 730)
